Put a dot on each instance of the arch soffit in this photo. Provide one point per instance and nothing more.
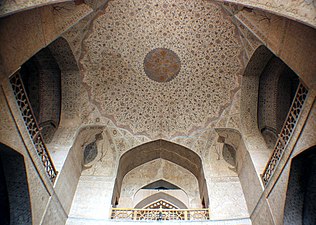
(70, 78)
(185, 190)
(168, 181)
(173, 186)
(250, 87)
(258, 61)
(63, 54)
(158, 196)
(169, 151)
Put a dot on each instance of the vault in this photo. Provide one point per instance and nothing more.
(161, 149)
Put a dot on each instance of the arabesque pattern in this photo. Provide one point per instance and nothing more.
(198, 32)
(160, 214)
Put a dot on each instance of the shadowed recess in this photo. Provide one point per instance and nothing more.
(160, 196)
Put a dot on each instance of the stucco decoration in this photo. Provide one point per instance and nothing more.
(198, 32)
(229, 154)
(162, 65)
(90, 152)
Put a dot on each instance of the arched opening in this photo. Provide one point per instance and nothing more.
(186, 193)
(161, 185)
(277, 87)
(260, 103)
(249, 97)
(156, 176)
(269, 87)
(250, 88)
(70, 78)
(162, 190)
(164, 150)
(15, 204)
(41, 77)
(157, 200)
(300, 204)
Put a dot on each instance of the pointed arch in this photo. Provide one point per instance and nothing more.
(160, 185)
(300, 204)
(250, 89)
(15, 205)
(70, 79)
(172, 152)
(160, 196)
(41, 77)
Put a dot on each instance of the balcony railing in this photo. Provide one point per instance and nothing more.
(32, 126)
(286, 132)
(160, 214)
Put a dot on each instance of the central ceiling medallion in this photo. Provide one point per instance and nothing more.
(162, 65)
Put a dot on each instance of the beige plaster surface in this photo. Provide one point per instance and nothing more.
(293, 42)
(96, 193)
(68, 178)
(41, 24)
(54, 213)
(227, 200)
(249, 180)
(262, 215)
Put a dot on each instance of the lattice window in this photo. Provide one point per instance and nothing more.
(32, 126)
(160, 214)
(286, 132)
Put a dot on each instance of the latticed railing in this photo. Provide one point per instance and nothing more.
(160, 214)
(286, 132)
(32, 126)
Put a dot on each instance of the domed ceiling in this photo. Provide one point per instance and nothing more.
(161, 68)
